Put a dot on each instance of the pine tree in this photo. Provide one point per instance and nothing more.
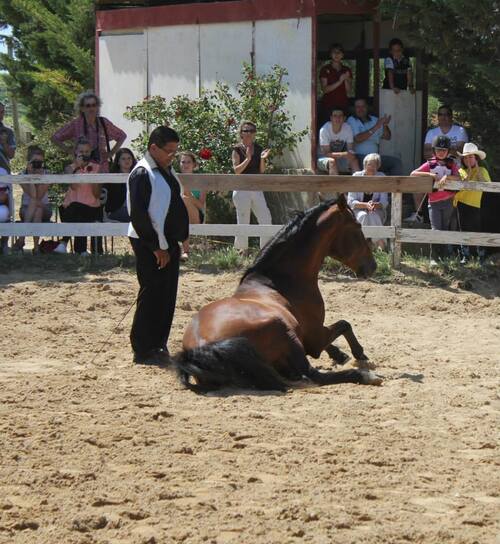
(53, 43)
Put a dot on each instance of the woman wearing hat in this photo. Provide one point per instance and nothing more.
(468, 203)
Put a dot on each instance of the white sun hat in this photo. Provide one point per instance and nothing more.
(472, 149)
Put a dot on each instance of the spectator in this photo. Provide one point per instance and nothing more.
(116, 193)
(7, 139)
(336, 82)
(368, 130)
(370, 208)
(98, 130)
(35, 205)
(398, 72)
(337, 145)
(193, 200)
(441, 168)
(5, 208)
(249, 158)
(457, 134)
(82, 201)
(468, 203)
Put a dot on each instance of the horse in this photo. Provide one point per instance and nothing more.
(260, 337)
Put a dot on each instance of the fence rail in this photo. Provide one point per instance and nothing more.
(397, 185)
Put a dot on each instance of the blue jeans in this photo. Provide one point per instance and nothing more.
(391, 166)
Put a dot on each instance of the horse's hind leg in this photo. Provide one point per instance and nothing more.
(337, 355)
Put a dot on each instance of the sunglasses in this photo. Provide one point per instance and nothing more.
(93, 105)
(248, 131)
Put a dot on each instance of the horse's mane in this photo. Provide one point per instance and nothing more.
(294, 231)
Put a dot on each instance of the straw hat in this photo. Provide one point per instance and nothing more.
(472, 149)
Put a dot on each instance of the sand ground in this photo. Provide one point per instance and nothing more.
(95, 450)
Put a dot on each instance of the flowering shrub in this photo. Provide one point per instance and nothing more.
(209, 125)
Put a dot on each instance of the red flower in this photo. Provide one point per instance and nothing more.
(205, 154)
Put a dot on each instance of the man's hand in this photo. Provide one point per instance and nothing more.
(248, 153)
(386, 119)
(162, 258)
(265, 154)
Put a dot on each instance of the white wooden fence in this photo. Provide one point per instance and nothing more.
(397, 185)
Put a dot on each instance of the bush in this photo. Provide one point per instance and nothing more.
(209, 125)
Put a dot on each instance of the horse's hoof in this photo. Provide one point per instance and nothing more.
(364, 364)
(370, 378)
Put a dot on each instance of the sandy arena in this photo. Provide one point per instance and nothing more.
(105, 452)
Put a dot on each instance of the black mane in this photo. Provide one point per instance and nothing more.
(294, 231)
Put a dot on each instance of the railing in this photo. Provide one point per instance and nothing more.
(397, 185)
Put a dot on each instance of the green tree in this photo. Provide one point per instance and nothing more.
(53, 45)
(462, 41)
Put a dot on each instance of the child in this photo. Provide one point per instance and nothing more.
(398, 73)
(442, 168)
(468, 203)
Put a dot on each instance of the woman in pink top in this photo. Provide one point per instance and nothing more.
(441, 168)
(98, 130)
(82, 201)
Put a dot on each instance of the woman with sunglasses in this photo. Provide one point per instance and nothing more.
(249, 158)
(98, 130)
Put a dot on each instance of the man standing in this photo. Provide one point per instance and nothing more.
(446, 127)
(159, 221)
(7, 140)
(368, 130)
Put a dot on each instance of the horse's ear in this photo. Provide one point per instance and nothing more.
(342, 202)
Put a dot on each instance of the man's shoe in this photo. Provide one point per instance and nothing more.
(414, 218)
(149, 359)
(60, 248)
(164, 356)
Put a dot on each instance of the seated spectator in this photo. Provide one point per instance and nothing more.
(441, 168)
(98, 130)
(7, 139)
(456, 133)
(370, 208)
(336, 82)
(35, 205)
(248, 157)
(116, 193)
(337, 146)
(468, 203)
(398, 72)
(82, 201)
(193, 200)
(368, 130)
(4, 201)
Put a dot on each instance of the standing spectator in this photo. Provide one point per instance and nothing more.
(456, 133)
(35, 205)
(398, 72)
(159, 221)
(368, 130)
(98, 130)
(6, 211)
(336, 82)
(116, 193)
(82, 201)
(370, 208)
(441, 168)
(337, 145)
(468, 203)
(7, 139)
(193, 200)
(249, 158)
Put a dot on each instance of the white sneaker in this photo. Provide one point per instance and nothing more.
(432, 262)
(414, 218)
(60, 248)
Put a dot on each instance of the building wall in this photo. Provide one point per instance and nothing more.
(183, 59)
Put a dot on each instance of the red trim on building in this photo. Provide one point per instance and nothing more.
(225, 12)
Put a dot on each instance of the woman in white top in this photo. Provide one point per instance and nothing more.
(370, 208)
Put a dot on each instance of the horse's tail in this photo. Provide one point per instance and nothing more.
(230, 362)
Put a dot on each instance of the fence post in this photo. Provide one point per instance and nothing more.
(396, 222)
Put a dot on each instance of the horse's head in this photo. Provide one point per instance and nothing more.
(348, 244)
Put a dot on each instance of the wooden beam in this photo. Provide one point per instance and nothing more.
(426, 236)
(396, 222)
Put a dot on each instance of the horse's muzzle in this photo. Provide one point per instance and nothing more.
(367, 268)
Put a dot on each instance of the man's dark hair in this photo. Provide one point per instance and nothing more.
(161, 136)
(34, 150)
(396, 41)
(446, 107)
(337, 46)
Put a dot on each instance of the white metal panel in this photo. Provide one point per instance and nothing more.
(122, 77)
(224, 47)
(288, 42)
(173, 60)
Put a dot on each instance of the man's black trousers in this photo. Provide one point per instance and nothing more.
(156, 300)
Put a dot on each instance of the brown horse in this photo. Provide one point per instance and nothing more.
(260, 337)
